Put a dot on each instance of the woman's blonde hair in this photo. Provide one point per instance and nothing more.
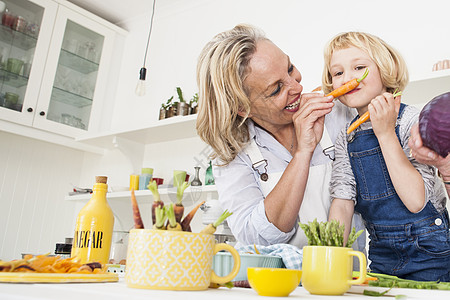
(393, 70)
(221, 71)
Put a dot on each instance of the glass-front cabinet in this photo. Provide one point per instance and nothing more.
(54, 64)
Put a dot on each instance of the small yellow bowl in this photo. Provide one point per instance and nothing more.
(273, 282)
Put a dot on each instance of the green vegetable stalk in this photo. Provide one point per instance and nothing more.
(328, 233)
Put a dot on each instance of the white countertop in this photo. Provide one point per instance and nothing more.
(119, 290)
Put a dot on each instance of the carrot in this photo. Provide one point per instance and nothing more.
(138, 224)
(348, 86)
(185, 224)
(153, 187)
(179, 208)
(160, 216)
(365, 117)
(173, 225)
(211, 228)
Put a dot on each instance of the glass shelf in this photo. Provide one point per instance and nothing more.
(17, 39)
(70, 98)
(77, 63)
(12, 79)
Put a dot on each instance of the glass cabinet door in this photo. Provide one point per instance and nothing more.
(76, 76)
(19, 31)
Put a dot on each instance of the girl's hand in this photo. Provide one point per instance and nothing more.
(309, 120)
(383, 114)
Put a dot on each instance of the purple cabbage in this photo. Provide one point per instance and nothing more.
(434, 124)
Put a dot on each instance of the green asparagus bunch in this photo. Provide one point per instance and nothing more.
(328, 233)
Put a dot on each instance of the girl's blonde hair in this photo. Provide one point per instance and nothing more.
(393, 70)
(221, 71)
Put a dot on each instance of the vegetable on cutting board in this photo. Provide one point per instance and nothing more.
(366, 116)
(434, 124)
(348, 86)
(384, 280)
(211, 228)
(138, 224)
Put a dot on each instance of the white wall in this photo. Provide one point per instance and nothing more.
(300, 28)
(35, 176)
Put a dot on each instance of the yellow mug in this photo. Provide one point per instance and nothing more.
(174, 260)
(329, 270)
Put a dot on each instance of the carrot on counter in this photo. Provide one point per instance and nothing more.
(172, 224)
(179, 208)
(211, 228)
(365, 117)
(160, 217)
(348, 86)
(185, 224)
(138, 224)
(153, 187)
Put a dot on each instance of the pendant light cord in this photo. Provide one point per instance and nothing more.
(149, 32)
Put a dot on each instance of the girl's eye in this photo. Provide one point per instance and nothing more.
(291, 68)
(360, 67)
(277, 90)
(337, 74)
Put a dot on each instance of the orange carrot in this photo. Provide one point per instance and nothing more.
(138, 224)
(348, 86)
(188, 218)
(365, 117)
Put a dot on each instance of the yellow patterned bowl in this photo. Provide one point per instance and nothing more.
(174, 260)
(273, 282)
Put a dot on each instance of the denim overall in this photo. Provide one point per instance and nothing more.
(408, 245)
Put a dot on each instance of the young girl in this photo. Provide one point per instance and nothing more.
(401, 201)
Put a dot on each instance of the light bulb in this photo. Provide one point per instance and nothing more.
(140, 87)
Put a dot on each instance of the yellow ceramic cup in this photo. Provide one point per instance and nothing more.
(174, 260)
(328, 270)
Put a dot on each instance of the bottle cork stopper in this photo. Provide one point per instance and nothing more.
(101, 179)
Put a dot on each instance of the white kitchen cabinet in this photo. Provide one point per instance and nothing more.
(70, 60)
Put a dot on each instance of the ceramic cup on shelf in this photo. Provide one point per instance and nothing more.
(329, 270)
(14, 65)
(174, 260)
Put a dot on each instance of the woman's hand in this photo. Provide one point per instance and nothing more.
(309, 120)
(425, 155)
(383, 114)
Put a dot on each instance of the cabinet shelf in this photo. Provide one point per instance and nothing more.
(77, 63)
(13, 79)
(174, 128)
(419, 91)
(72, 99)
(146, 195)
(17, 39)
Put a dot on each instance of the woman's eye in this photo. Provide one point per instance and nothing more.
(291, 68)
(277, 90)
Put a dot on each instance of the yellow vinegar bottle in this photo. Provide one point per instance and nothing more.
(94, 227)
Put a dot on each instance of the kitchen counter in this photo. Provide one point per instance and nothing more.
(119, 290)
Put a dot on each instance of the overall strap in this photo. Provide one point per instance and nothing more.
(257, 159)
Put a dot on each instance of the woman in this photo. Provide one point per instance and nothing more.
(269, 168)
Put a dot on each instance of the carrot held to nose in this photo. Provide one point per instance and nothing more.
(348, 86)
(365, 117)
